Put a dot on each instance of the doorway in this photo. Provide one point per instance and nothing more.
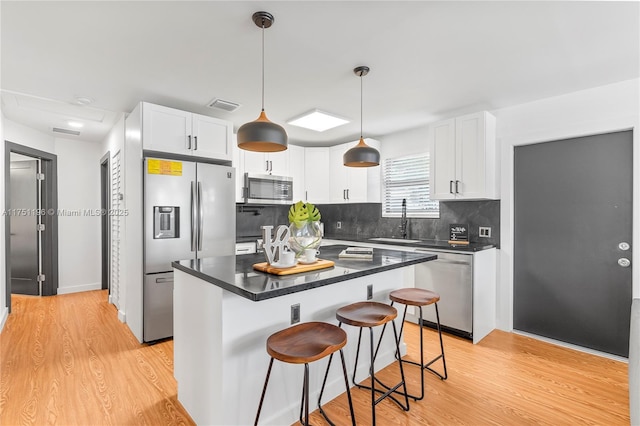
(31, 258)
(572, 240)
(105, 244)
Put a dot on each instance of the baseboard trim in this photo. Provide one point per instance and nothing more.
(570, 346)
(79, 288)
(122, 316)
(3, 318)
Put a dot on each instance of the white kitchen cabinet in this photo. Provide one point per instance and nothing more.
(464, 158)
(347, 184)
(296, 171)
(237, 164)
(263, 163)
(353, 184)
(316, 175)
(174, 131)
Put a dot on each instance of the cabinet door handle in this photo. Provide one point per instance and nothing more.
(457, 190)
(195, 143)
(347, 194)
(189, 142)
(270, 165)
(344, 194)
(450, 187)
(305, 196)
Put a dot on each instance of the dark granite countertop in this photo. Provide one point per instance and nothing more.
(427, 244)
(236, 273)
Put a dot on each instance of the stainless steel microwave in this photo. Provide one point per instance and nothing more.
(268, 189)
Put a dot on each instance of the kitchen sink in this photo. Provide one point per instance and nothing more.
(394, 240)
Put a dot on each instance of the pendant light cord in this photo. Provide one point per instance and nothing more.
(262, 64)
(360, 106)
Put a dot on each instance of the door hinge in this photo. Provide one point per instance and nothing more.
(40, 227)
(40, 278)
(40, 176)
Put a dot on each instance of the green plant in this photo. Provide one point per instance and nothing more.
(300, 213)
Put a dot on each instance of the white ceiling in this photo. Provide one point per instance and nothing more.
(428, 59)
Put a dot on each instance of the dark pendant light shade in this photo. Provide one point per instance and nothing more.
(262, 135)
(361, 155)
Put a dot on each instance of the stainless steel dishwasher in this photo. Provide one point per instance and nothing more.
(451, 276)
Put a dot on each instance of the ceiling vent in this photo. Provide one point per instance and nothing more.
(223, 105)
(66, 131)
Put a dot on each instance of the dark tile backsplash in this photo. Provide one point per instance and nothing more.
(364, 220)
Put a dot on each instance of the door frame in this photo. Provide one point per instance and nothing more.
(105, 243)
(49, 167)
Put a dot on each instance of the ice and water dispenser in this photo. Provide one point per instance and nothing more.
(166, 222)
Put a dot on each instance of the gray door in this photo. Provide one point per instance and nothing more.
(573, 209)
(23, 228)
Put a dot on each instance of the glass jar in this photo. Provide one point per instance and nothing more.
(306, 236)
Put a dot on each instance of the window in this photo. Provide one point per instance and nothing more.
(407, 178)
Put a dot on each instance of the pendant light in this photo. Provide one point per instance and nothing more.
(262, 135)
(361, 155)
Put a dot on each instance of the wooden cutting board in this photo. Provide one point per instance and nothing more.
(319, 264)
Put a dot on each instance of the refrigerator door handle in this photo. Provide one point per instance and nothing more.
(194, 217)
(201, 216)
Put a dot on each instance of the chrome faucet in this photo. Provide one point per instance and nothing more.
(403, 222)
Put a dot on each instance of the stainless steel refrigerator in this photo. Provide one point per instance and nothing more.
(189, 213)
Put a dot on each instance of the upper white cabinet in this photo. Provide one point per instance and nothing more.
(463, 158)
(296, 171)
(174, 131)
(316, 175)
(353, 184)
(267, 163)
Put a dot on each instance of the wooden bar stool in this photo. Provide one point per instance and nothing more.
(419, 297)
(369, 315)
(302, 344)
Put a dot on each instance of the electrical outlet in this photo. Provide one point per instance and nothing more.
(295, 313)
(484, 231)
(339, 225)
(370, 292)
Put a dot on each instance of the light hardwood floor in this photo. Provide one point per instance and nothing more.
(67, 360)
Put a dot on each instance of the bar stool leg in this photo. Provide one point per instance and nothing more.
(346, 383)
(264, 391)
(444, 362)
(389, 390)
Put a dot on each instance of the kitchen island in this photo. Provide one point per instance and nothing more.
(224, 311)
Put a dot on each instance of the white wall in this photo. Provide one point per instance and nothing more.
(23, 135)
(409, 142)
(78, 236)
(598, 110)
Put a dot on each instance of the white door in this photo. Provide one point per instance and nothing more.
(470, 156)
(166, 129)
(211, 137)
(443, 160)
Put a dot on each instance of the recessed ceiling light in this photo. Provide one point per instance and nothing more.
(75, 124)
(318, 120)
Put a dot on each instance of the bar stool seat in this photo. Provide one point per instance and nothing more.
(307, 342)
(420, 297)
(368, 315)
(302, 344)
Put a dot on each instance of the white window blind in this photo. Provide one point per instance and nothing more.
(408, 178)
